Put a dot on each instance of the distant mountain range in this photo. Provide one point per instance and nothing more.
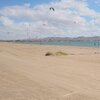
(97, 38)
(52, 39)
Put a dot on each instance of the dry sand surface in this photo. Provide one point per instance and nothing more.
(27, 74)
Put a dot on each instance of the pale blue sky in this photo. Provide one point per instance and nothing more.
(4, 3)
(93, 5)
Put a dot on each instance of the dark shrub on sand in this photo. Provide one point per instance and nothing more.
(59, 53)
(49, 54)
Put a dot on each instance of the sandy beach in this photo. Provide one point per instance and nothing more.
(27, 74)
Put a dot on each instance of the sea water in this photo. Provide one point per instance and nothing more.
(69, 43)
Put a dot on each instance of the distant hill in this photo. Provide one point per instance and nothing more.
(51, 39)
(72, 39)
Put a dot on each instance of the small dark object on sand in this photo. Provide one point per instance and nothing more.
(56, 54)
(49, 54)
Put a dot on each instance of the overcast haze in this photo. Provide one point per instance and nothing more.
(32, 18)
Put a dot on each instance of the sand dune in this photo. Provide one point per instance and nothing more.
(27, 74)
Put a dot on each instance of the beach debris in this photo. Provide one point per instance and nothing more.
(59, 53)
(49, 54)
(96, 52)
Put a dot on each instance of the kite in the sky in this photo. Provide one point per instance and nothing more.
(51, 8)
(8, 32)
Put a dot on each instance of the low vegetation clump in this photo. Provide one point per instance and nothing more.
(59, 53)
(49, 54)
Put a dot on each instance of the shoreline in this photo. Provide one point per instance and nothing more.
(35, 43)
(53, 45)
